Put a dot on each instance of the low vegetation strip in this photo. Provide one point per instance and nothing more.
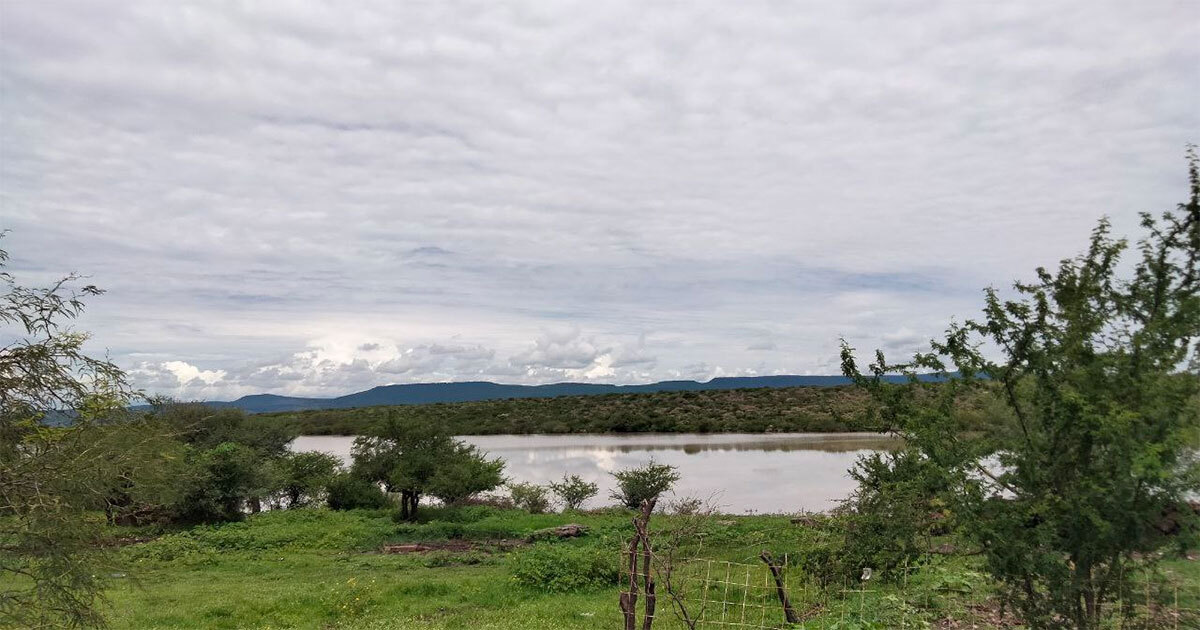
(763, 410)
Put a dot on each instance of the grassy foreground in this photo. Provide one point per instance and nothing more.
(321, 569)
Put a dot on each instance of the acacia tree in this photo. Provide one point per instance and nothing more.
(67, 449)
(1098, 374)
(415, 458)
(573, 491)
(303, 477)
(643, 484)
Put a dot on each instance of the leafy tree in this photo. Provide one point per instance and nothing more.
(302, 477)
(206, 427)
(573, 491)
(893, 514)
(530, 497)
(464, 473)
(227, 478)
(66, 451)
(1098, 373)
(152, 475)
(262, 462)
(644, 483)
(415, 458)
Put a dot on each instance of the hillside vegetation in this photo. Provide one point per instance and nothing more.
(825, 409)
(762, 410)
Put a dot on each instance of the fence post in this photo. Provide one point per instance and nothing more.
(789, 614)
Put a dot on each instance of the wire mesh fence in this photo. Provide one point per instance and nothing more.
(698, 592)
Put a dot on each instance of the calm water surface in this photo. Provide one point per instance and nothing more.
(758, 473)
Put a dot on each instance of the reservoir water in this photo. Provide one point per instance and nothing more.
(739, 473)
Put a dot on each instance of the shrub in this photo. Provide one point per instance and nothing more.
(688, 506)
(302, 477)
(573, 491)
(645, 483)
(347, 492)
(530, 497)
(465, 473)
(894, 513)
(561, 569)
(225, 479)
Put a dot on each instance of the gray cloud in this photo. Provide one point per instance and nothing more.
(319, 198)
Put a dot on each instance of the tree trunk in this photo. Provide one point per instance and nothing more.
(629, 598)
(408, 504)
(642, 526)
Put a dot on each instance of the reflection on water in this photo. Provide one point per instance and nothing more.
(765, 473)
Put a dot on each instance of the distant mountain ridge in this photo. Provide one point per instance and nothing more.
(472, 391)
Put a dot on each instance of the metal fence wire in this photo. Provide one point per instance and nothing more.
(699, 592)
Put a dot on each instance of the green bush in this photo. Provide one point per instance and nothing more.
(347, 492)
(572, 491)
(562, 569)
(225, 479)
(530, 497)
(645, 483)
(894, 514)
(303, 477)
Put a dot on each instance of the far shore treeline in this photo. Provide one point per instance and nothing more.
(762, 410)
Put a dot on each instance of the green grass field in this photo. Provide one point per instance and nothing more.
(321, 569)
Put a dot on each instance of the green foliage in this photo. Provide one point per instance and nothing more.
(71, 458)
(530, 497)
(415, 458)
(304, 477)
(894, 513)
(644, 483)
(573, 491)
(559, 568)
(225, 476)
(348, 492)
(206, 427)
(291, 569)
(237, 464)
(1098, 373)
(275, 530)
(464, 473)
(762, 410)
(486, 523)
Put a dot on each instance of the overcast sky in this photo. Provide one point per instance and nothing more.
(305, 198)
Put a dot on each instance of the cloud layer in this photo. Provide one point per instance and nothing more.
(312, 198)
